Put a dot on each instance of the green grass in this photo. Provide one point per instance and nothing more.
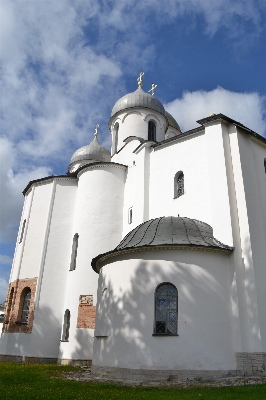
(28, 381)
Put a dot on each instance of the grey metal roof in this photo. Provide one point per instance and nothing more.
(92, 152)
(171, 121)
(167, 231)
(139, 98)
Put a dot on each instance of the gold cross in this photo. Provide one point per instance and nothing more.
(152, 89)
(96, 130)
(140, 79)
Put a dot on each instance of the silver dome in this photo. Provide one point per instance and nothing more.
(171, 121)
(139, 98)
(92, 152)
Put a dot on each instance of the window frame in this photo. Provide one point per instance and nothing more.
(22, 231)
(25, 305)
(177, 193)
(152, 135)
(66, 326)
(74, 253)
(155, 333)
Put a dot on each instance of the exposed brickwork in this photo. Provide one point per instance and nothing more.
(86, 312)
(255, 362)
(15, 297)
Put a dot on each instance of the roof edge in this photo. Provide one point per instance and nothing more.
(223, 117)
(109, 254)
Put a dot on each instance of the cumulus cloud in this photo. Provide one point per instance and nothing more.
(61, 61)
(247, 108)
(12, 185)
(3, 289)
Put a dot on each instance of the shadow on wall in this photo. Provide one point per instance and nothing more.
(43, 342)
(126, 312)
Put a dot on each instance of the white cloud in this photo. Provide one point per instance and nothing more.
(58, 80)
(12, 184)
(3, 289)
(6, 260)
(247, 108)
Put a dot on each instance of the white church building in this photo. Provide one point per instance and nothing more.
(150, 261)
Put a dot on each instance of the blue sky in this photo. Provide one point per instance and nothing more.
(64, 64)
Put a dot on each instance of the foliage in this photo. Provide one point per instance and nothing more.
(39, 381)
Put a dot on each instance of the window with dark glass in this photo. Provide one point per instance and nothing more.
(26, 305)
(265, 165)
(22, 231)
(151, 131)
(65, 335)
(116, 138)
(74, 254)
(9, 305)
(179, 185)
(166, 309)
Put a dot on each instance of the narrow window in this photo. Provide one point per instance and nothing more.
(66, 326)
(265, 165)
(179, 185)
(22, 231)
(130, 215)
(73, 263)
(26, 305)
(151, 131)
(166, 309)
(116, 138)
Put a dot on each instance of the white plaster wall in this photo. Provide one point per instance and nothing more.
(98, 221)
(125, 312)
(19, 246)
(56, 233)
(34, 238)
(248, 162)
(134, 122)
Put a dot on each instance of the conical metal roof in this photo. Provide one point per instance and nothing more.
(92, 152)
(139, 98)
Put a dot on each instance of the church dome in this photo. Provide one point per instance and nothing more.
(92, 152)
(139, 98)
(165, 231)
(171, 121)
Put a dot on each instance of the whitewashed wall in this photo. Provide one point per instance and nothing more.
(125, 312)
(98, 222)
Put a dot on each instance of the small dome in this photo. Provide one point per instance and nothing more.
(92, 152)
(139, 98)
(171, 121)
(166, 231)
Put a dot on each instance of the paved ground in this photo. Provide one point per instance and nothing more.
(84, 374)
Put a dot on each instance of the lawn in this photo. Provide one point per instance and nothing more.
(28, 381)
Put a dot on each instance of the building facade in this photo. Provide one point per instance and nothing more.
(152, 258)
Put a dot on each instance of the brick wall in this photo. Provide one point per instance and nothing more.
(255, 362)
(14, 303)
(86, 312)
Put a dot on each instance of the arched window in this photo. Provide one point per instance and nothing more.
(179, 186)
(116, 138)
(66, 326)
(26, 296)
(151, 131)
(74, 252)
(166, 309)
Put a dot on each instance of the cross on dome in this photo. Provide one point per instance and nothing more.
(140, 79)
(96, 130)
(153, 86)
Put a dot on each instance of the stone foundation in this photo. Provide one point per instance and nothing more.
(126, 374)
(251, 362)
